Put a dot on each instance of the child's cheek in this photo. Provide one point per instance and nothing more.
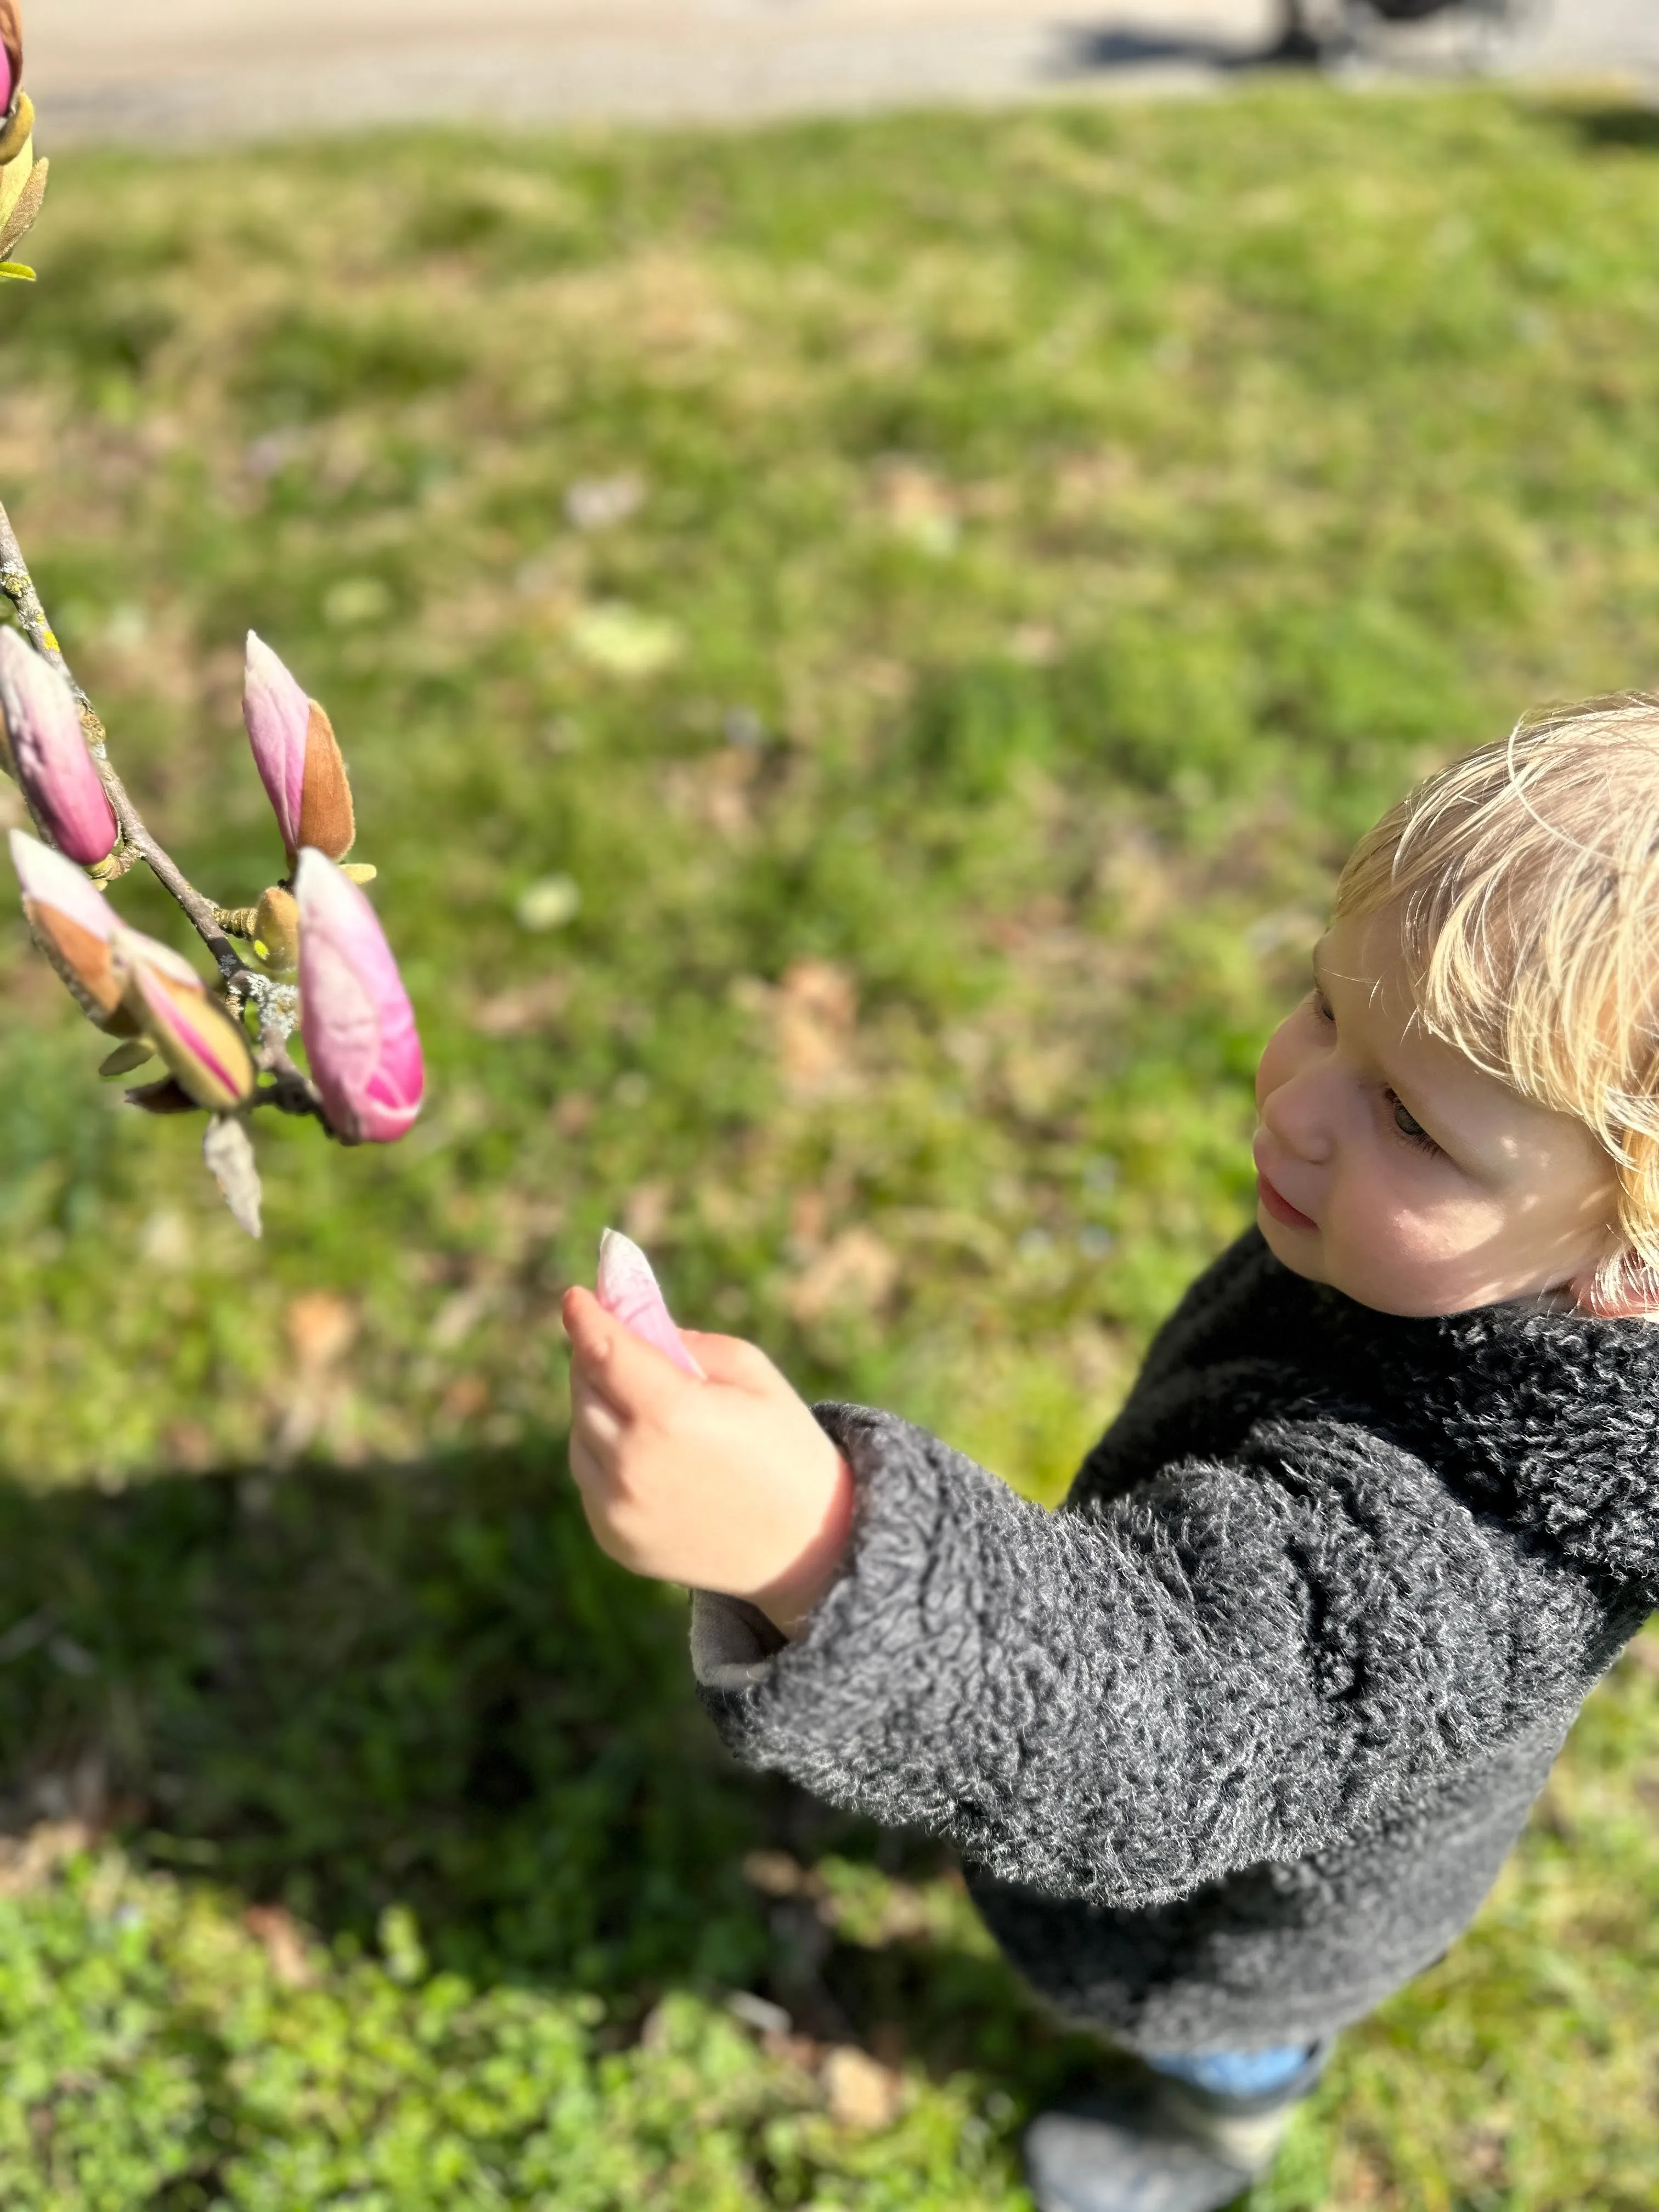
(1425, 1258)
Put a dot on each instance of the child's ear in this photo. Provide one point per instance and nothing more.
(1631, 1294)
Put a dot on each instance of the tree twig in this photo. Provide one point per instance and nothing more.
(290, 1091)
(19, 587)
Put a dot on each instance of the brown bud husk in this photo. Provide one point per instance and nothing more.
(83, 964)
(326, 820)
(25, 209)
(276, 930)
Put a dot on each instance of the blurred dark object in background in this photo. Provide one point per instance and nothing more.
(1317, 32)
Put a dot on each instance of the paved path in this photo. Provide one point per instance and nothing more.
(195, 69)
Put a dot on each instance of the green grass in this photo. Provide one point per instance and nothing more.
(1057, 536)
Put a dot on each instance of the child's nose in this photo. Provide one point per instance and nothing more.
(1297, 1113)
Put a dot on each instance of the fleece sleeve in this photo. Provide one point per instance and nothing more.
(1235, 1661)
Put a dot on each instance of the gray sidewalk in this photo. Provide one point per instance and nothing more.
(201, 70)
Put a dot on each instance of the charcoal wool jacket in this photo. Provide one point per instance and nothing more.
(1235, 1742)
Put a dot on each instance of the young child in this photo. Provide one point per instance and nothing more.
(1235, 1743)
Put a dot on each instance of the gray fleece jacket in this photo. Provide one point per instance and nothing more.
(1235, 1742)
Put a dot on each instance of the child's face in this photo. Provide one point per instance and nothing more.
(1392, 1168)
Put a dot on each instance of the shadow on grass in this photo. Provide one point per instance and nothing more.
(1635, 129)
(425, 1685)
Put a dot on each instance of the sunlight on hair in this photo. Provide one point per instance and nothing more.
(1527, 879)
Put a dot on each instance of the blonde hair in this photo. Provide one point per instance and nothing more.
(1527, 878)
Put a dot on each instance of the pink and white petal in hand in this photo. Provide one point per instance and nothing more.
(628, 1290)
(49, 754)
(277, 714)
(355, 1015)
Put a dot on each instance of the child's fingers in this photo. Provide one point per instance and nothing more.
(636, 1379)
(586, 1321)
(595, 1417)
(731, 1360)
(589, 1474)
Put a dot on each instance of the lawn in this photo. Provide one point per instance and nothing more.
(860, 649)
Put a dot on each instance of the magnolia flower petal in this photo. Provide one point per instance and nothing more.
(277, 716)
(11, 43)
(48, 880)
(355, 1015)
(49, 756)
(205, 1049)
(132, 948)
(627, 1289)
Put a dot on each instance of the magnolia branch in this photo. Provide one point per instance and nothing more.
(367, 1073)
(19, 587)
(289, 1090)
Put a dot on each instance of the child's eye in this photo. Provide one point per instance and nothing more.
(1410, 1127)
(1321, 1006)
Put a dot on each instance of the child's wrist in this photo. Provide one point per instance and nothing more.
(790, 1600)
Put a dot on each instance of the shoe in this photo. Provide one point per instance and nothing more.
(1159, 2145)
(1100, 2157)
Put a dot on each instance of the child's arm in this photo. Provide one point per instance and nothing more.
(1237, 1661)
(728, 1483)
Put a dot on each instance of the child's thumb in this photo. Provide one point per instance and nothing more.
(731, 1360)
(634, 1375)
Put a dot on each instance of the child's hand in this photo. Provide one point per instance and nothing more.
(726, 1485)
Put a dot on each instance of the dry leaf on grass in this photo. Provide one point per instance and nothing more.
(285, 1946)
(645, 1211)
(27, 1861)
(322, 1327)
(524, 1010)
(814, 1013)
(859, 2091)
(855, 1274)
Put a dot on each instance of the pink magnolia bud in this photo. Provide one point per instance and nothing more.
(11, 52)
(205, 1046)
(298, 759)
(627, 1289)
(354, 1014)
(49, 756)
(72, 923)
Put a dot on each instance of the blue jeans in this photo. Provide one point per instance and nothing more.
(1235, 2073)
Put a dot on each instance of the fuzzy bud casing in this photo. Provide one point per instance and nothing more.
(276, 930)
(73, 925)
